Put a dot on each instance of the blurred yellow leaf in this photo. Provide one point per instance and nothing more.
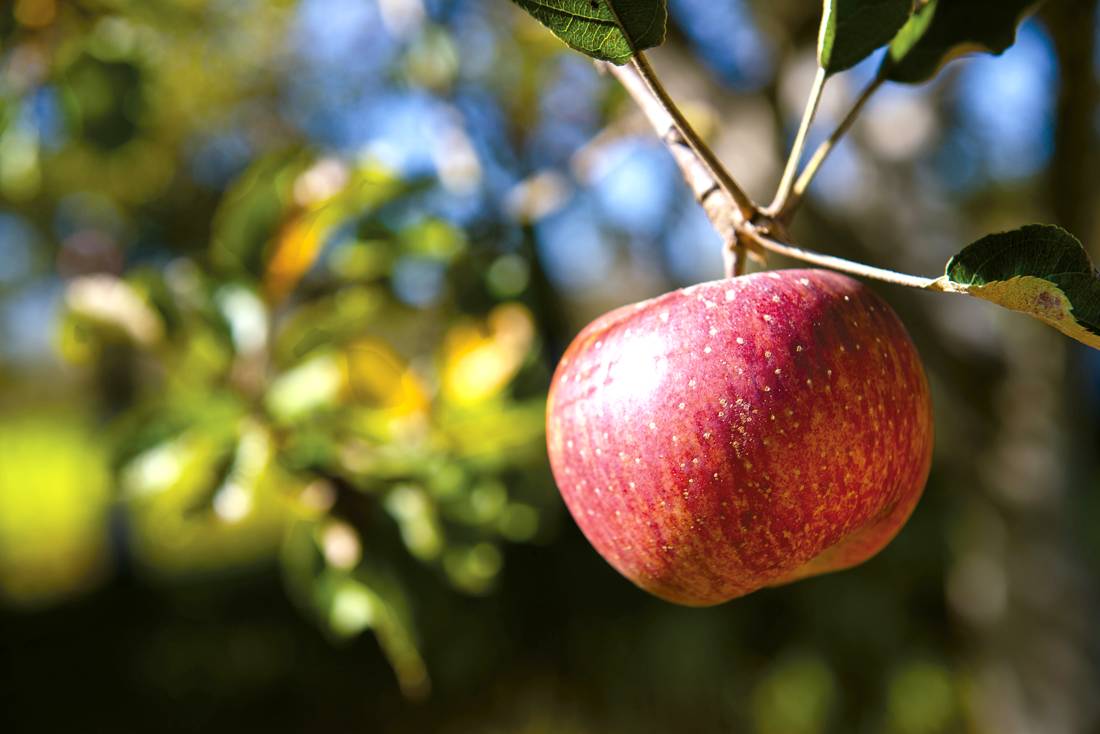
(296, 248)
(480, 359)
(325, 195)
(379, 376)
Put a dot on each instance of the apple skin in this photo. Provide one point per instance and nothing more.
(741, 433)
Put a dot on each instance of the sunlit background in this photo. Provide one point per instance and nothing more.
(281, 287)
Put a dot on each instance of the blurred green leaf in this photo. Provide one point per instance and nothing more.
(473, 568)
(922, 699)
(352, 601)
(103, 100)
(416, 515)
(313, 385)
(795, 696)
(435, 239)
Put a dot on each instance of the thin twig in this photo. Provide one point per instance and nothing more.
(717, 171)
(702, 173)
(725, 206)
(789, 206)
(845, 266)
(783, 193)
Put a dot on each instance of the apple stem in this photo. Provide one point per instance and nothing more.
(786, 183)
(785, 209)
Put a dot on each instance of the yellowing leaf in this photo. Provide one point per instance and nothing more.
(1035, 297)
(1040, 270)
(481, 359)
(377, 375)
(296, 249)
(317, 193)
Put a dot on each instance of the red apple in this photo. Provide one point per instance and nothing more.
(741, 433)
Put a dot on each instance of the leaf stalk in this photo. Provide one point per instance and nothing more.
(794, 158)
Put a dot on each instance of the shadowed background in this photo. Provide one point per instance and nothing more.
(281, 288)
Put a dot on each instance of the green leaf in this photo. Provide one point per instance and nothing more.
(610, 30)
(852, 29)
(1040, 270)
(942, 30)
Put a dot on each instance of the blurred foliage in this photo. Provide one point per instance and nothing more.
(270, 392)
(54, 539)
(288, 374)
(281, 287)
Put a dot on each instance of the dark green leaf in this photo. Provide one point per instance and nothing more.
(1040, 270)
(1036, 249)
(852, 29)
(610, 30)
(943, 30)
